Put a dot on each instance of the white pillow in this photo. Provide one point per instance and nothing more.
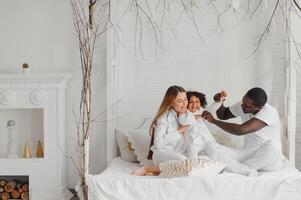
(125, 147)
(140, 140)
(196, 167)
(227, 139)
(224, 138)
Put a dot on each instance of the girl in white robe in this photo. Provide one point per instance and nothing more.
(198, 138)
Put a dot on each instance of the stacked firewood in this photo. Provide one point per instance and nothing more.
(13, 189)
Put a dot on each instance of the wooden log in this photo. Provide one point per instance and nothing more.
(25, 187)
(5, 196)
(2, 182)
(1, 189)
(15, 194)
(10, 186)
(12, 183)
(25, 196)
(20, 190)
(19, 185)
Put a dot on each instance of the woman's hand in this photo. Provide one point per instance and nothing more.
(182, 129)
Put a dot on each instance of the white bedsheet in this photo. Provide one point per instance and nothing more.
(116, 183)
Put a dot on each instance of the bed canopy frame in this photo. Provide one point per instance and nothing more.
(289, 112)
(111, 94)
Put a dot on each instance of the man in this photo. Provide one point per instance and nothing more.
(262, 148)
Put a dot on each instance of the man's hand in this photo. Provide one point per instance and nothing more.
(208, 116)
(182, 129)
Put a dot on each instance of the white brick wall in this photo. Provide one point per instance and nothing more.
(221, 63)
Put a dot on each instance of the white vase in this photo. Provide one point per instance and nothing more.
(26, 71)
(11, 146)
(78, 188)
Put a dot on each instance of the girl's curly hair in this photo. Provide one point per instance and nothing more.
(199, 95)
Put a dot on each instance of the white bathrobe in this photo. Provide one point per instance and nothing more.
(168, 144)
(198, 139)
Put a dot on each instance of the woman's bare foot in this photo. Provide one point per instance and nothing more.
(140, 172)
(147, 171)
(151, 174)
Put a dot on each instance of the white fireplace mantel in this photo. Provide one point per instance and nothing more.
(45, 80)
(37, 103)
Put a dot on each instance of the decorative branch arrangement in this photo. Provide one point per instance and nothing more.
(86, 33)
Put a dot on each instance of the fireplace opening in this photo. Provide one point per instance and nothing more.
(14, 187)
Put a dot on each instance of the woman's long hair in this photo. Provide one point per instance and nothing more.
(170, 95)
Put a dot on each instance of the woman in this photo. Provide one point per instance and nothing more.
(166, 134)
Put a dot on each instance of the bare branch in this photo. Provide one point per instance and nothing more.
(256, 8)
(297, 5)
(266, 30)
(189, 12)
(220, 16)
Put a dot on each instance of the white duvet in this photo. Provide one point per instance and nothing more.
(116, 182)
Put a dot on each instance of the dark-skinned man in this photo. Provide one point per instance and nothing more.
(262, 148)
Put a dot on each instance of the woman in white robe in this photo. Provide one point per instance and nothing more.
(167, 134)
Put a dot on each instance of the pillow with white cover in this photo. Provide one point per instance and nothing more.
(227, 139)
(224, 138)
(197, 167)
(140, 139)
(234, 141)
(125, 147)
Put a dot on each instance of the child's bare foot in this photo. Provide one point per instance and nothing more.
(147, 171)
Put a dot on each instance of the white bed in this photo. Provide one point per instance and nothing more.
(116, 182)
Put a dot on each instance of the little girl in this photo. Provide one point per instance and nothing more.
(198, 139)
